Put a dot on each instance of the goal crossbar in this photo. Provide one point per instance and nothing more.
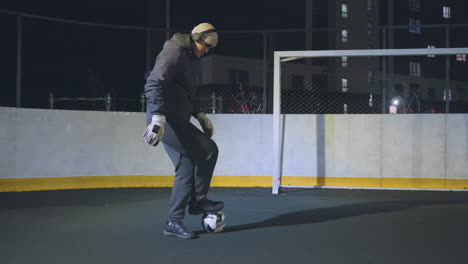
(284, 56)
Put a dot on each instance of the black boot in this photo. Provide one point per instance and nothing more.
(205, 206)
(177, 228)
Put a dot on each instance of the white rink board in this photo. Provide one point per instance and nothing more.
(457, 146)
(244, 143)
(59, 143)
(7, 142)
(413, 146)
(300, 146)
(353, 145)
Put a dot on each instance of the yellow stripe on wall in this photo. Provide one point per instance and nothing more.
(418, 183)
(241, 181)
(457, 184)
(331, 181)
(413, 183)
(86, 182)
(7, 185)
(127, 181)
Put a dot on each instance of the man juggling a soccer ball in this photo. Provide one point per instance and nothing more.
(169, 90)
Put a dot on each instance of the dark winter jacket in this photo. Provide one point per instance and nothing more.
(171, 85)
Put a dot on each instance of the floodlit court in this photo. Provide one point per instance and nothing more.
(298, 225)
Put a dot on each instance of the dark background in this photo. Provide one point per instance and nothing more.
(83, 60)
(73, 60)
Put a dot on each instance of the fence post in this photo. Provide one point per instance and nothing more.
(19, 51)
(384, 74)
(108, 100)
(447, 92)
(220, 104)
(142, 101)
(213, 103)
(51, 100)
(265, 71)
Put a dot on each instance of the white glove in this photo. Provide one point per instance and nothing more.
(205, 123)
(155, 131)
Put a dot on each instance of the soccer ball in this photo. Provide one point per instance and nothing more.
(213, 222)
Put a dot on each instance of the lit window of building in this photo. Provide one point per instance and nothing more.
(461, 57)
(431, 47)
(344, 85)
(415, 69)
(344, 10)
(446, 12)
(344, 35)
(344, 61)
(415, 25)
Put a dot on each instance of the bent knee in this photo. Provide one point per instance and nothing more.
(209, 151)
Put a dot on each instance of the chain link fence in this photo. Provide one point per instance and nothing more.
(83, 65)
(328, 85)
(234, 98)
(356, 85)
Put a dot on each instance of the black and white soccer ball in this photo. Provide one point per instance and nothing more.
(213, 222)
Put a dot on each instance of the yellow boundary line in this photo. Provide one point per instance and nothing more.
(127, 181)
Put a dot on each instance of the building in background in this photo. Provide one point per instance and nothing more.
(419, 79)
(363, 84)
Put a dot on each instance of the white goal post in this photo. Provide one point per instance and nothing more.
(284, 56)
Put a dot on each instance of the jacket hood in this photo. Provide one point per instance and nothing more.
(182, 40)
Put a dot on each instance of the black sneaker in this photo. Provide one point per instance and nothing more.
(177, 228)
(205, 206)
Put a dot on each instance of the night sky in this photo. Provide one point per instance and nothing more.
(81, 61)
(227, 15)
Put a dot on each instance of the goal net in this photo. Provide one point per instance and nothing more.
(380, 81)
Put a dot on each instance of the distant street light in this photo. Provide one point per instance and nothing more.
(396, 101)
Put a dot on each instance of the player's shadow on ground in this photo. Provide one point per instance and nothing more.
(338, 212)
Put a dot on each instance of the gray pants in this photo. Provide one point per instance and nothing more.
(194, 156)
